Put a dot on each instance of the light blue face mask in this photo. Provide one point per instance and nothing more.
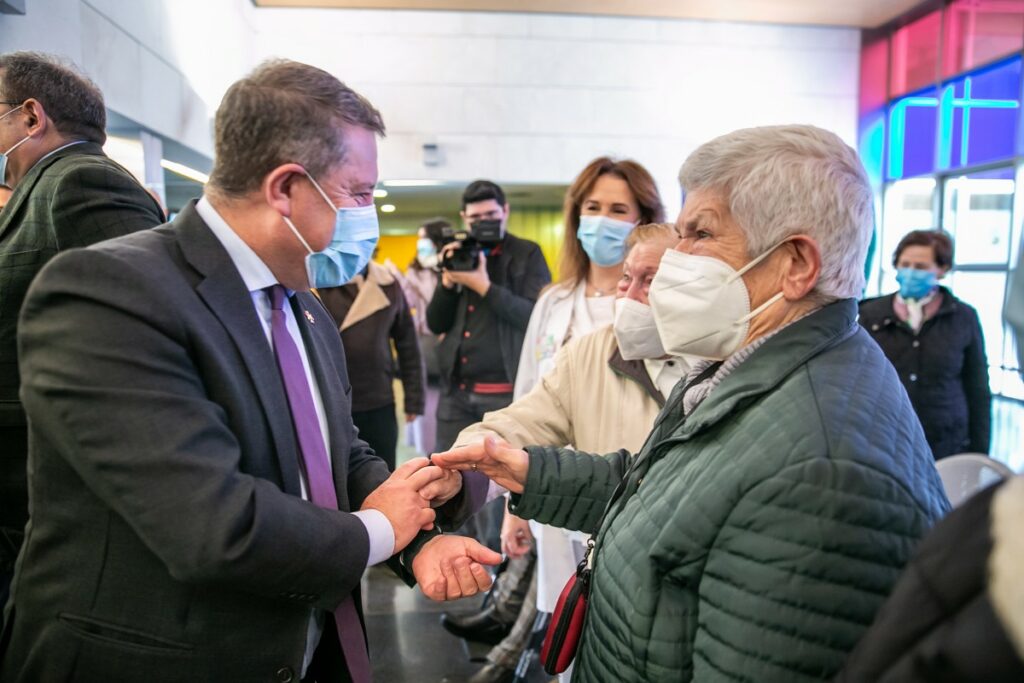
(356, 232)
(914, 283)
(3, 155)
(604, 239)
(426, 252)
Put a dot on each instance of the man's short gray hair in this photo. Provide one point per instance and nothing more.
(780, 181)
(284, 112)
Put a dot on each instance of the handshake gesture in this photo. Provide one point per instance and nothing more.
(447, 567)
(500, 462)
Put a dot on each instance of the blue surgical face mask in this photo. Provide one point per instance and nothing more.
(356, 232)
(4, 155)
(604, 239)
(916, 284)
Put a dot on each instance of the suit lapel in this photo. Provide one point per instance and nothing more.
(225, 294)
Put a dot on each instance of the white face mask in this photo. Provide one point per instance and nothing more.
(701, 306)
(635, 330)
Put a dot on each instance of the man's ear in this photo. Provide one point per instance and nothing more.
(803, 269)
(279, 185)
(36, 120)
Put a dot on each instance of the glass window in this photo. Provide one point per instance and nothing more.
(978, 115)
(874, 75)
(980, 31)
(985, 292)
(909, 205)
(912, 134)
(915, 55)
(978, 212)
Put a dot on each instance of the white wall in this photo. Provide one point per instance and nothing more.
(162, 63)
(532, 98)
(516, 97)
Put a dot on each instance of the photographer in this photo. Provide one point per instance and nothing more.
(489, 284)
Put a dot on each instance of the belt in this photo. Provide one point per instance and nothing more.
(488, 387)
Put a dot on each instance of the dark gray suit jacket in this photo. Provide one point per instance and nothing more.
(167, 539)
(73, 198)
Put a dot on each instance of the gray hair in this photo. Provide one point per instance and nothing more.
(780, 181)
(284, 112)
(71, 101)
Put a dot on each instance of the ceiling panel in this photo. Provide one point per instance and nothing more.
(862, 13)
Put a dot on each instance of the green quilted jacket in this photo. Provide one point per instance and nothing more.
(758, 536)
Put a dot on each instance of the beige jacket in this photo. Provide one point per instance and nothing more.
(583, 401)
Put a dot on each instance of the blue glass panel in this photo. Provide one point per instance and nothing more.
(978, 116)
(871, 144)
(912, 128)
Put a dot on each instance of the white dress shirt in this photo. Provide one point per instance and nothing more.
(666, 373)
(257, 277)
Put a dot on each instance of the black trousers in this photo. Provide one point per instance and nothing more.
(379, 428)
(13, 500)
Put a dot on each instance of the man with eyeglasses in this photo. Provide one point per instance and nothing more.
(481, 307)
(66, 193)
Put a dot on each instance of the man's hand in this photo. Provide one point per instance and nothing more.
(443, 489)
(399, 499)
(478, 280)
(516, 538)
(451, 567)
(410, 418)
(504, 465)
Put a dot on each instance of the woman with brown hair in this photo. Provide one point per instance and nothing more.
(935, 343)
(602, 206)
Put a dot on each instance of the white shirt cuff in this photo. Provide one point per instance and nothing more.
(382, 536)
(493, 491)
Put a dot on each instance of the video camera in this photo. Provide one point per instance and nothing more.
(466, 257)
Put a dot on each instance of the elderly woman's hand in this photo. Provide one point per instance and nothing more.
(504, 465)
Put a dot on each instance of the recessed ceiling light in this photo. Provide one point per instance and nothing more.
(413, 183)
(387, 208)
(380, 193)
(186, 171)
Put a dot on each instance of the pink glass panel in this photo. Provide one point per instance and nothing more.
(915, 55)
(874, 75)
(979, 31)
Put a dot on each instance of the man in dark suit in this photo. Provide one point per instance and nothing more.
(67, 193)
(201, 505)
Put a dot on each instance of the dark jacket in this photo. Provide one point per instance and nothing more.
(168, 540)
(939, 625)
(769, 525)
(73, 198)
(518, 275)
(943, 369)
(369, 317)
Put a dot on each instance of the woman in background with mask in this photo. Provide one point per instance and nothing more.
(786, 481)
(602, 206)
(935, 343)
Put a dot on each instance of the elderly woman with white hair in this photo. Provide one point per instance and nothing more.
(787, 480)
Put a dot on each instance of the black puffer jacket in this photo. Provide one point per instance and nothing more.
(939, 625)
(943, 369)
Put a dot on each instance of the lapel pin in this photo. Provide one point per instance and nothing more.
(309, 317)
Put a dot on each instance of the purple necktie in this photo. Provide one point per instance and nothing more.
(318, 473)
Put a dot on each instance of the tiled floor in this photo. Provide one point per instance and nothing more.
(407, 643)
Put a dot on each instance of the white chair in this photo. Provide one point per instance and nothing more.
(965, 474)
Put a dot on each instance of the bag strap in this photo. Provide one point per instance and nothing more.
(648, 459)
